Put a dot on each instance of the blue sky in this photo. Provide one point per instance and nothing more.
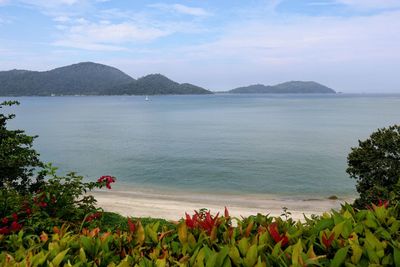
(349, 45)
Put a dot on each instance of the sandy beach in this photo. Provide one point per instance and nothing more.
(172, 205)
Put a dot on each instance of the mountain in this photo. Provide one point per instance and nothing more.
(293, 87)
(156, 84)
(88, 78)
(84, 78)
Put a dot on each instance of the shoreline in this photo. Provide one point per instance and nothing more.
(173, 205)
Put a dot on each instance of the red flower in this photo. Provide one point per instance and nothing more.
(4, 220)
(328, 241)
(15, 226)
(93, 216)
(208, 222)
(4, 230)
(43, 204)
(28, 211)
(274, 232)
(15, 216)
(384, 203)
(191, 222)
(131, 226)
(107, 179)
(202, 220)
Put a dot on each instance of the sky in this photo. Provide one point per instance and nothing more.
(348, 45)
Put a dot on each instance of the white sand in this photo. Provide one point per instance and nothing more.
(172, 205)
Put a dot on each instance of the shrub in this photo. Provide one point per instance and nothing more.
(375, 164)
(346, 238)
(59, 199)
(18, 159)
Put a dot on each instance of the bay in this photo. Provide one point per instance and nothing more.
(286, 145)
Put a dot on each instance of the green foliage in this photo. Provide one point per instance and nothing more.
(88, 78)
(58, 200)
(112, 221)
(18, 159)
(155, 84)
(375, 163)
(84, 78)
(293, 87)
(346, 238)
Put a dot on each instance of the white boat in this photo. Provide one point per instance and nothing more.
(147, 98)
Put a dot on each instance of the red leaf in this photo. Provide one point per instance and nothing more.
(327, 241)
(131, 226)
(226, 213)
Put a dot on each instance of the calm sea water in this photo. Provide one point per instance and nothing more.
(292, 145)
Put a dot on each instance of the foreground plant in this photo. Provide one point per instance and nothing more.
(59, 199)
(346, 238)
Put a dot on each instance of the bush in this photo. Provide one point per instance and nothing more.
(59, 200)
(375, 163)
(17, 158)
(346, 238)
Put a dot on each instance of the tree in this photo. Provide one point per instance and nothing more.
(18, 159)
(375, 164)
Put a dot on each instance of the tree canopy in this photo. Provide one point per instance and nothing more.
(375, 164)
(18, 159)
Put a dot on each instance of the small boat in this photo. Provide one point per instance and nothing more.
(147, 98)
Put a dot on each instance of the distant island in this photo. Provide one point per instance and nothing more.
(88, 78)
(293, 87)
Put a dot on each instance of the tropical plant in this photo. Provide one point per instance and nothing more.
(59, 200)
(18, 159)
(375, 164)
(348, 237)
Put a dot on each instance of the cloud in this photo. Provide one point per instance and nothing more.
(371, 4)
(337, 51)
(194, 11)
(50, 4)
(106, 36)
(182, 9)
(61, 19)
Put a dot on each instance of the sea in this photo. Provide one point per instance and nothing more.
(282, 145)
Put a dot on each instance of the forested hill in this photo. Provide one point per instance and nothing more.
(156, 84)
(87, 78)
(78, 79)
(293, 87)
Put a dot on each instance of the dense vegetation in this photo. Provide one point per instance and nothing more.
(55, 222)
(375, 163)
(293, 87)
(88, 78)
(345, 238)
(17, 157)
(156, 84)
(79, 79)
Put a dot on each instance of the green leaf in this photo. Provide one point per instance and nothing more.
(396, 256)
(251, 256)
(211, 262)
(296, 254)
(243, 246)
(59, 258)
(339, 257)
(182, 233)
(82, 255)
(235, 255)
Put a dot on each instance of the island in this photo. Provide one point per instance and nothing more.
(292, 87)
(88, 78)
